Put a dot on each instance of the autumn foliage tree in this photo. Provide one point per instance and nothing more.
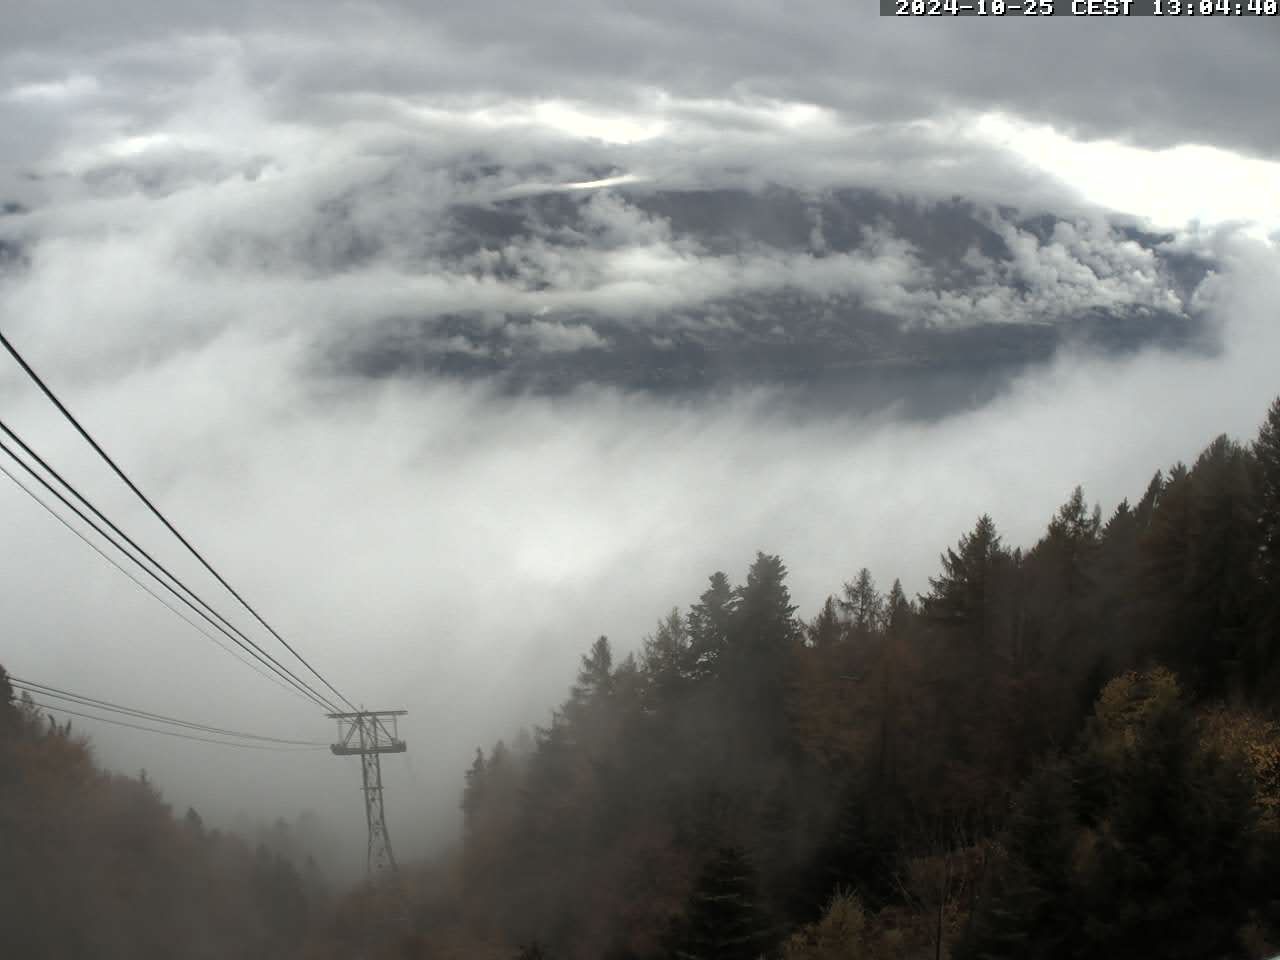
(94, 864)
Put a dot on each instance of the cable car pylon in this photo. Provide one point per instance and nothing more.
(368, 734)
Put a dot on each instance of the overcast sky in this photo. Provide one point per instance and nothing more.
(212, 201)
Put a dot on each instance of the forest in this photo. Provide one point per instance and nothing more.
(1067, 749)
(95, 864)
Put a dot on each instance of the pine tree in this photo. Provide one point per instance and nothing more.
(764, 619)
(1197, 562)
(665, 659)
(1117, 607)
(1072, 542)
(1146, 507)
(964, 596)
(890, 676)
(828, 628)
(595, 676)
(864, 607)
(1058, 598)
(709, 623)
(764, 636)
(723, 919)
(1074, 522)
(898, 610)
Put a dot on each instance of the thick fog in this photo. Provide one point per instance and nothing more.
(210, 223)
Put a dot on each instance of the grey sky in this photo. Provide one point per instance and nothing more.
(1150, 80)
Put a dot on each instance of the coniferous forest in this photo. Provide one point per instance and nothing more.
(1062, 749)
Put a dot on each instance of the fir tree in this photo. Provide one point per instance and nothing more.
(826, 629)
(665, 660)
(723, 919)
(898, 610)
(595, 676)
(963, 595)
(709, 624)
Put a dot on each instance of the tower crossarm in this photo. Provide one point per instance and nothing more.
(368, 734)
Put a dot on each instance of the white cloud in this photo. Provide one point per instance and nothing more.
(1171, 187)
(550, 337)
(75, 86)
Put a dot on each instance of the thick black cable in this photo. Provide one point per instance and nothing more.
(49, 468)
(151, 593)
(173, 733)
(252, 648)
(44, 388)
(44, 690)
(245, 644)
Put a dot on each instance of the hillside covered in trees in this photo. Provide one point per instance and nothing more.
(95, 864)
(1066, 750)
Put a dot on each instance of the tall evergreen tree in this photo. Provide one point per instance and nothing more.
(828, 628)
(764, 618)
(864, 607)
(1057, 603)
(723, 919)
(710, 620)
(665, 659)
(764, 636)
(595, 676)
(898, 610)
(964, 597)
(1071, 544)
(1146, 507)
(1198, 559)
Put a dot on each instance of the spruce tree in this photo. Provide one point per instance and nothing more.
(764, 636)
(826, 629)
(963, 596)
(665, 660)
(595, 676)
(709, 623)
(723, 919)
(764, 618)
(898, 610)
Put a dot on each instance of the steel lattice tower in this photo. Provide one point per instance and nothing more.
(369, 734)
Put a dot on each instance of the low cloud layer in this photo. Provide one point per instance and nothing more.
(444, 249)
